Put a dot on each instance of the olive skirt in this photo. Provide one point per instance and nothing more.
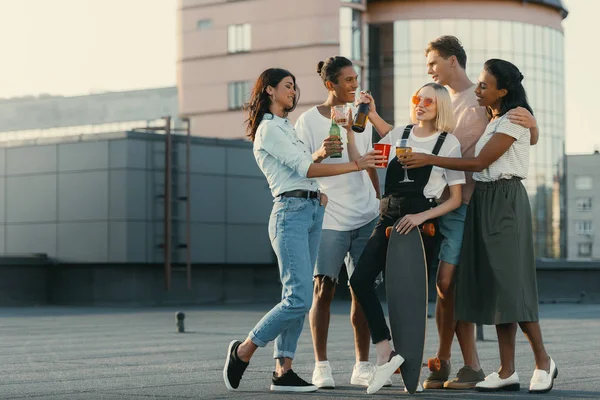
(496, 277)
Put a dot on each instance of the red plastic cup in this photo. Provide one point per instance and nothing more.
(385, 151)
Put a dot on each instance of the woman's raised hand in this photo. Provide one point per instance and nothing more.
(373, 159)
(368, 99)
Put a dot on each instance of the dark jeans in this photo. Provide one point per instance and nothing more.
(372, 261)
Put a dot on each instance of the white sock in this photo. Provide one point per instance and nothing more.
(321, 363)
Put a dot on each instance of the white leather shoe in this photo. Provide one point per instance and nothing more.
(383, 373)
(362, 374)
(542, 381)
(493, 383)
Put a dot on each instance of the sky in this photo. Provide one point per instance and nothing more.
(582, 134)
(74, 47)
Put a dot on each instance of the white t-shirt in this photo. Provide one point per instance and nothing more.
(353, 202)
(440, 177)
(515, 161)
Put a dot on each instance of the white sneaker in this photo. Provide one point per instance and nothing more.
(362, 374)
(419, 389)
(383, 373)
(322, 377)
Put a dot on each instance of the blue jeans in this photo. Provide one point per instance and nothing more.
(295, 232)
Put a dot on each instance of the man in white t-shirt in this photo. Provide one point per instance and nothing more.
(446, 63)
(350, 217)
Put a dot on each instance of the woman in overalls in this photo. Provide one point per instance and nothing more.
(413, 201)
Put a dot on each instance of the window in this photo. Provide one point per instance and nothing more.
(584, 204)
(204, 24)
(583, 182)
(238, 94)
(584, 249)
(351, 33)
(238, 38)
(584, 227)
(359, 72)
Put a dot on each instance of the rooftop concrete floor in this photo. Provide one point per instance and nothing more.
(135, 353)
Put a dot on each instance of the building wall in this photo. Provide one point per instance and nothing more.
(295, 38)
(80, 112)
(503, 10)
(97, 200)
(582, 207)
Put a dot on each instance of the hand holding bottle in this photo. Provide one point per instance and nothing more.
(334, 135)
(366, 98)
(331, 145)
(362, 114)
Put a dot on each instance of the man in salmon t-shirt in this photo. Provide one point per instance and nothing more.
(446, 63)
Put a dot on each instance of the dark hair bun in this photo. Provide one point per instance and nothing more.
(520, 77)
(320, 67)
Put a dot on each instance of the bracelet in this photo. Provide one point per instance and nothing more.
(357, 166)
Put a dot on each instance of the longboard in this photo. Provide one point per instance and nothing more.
(406, 289)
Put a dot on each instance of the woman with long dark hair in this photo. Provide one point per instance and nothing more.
(294, 225)
(496, 282)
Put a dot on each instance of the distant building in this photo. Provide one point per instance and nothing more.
(78, 185)
(224, 45)
(582, 173)
(46, 116)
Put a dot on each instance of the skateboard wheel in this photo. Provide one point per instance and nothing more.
(428, 229)
(388, 231)
(434, 364)
(397, 371)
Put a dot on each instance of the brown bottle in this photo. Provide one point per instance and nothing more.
(360, 122)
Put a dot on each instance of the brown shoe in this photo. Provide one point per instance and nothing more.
(436, 379)
(466, 378)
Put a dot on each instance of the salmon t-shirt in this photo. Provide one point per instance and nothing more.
(471, 121)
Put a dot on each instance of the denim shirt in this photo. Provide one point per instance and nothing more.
(281, 156)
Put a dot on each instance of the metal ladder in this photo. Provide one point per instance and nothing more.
(173, 199)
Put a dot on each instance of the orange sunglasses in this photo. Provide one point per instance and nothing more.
(427, 101)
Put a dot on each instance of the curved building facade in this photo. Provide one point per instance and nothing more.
(529, 34)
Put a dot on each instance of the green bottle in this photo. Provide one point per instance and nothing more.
(334, 130)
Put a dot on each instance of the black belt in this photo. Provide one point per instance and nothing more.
(411, 196)
(305, 194)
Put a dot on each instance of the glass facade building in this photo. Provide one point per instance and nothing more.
(397, 68)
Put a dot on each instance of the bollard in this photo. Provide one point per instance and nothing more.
(179, 318)
(480, 333)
